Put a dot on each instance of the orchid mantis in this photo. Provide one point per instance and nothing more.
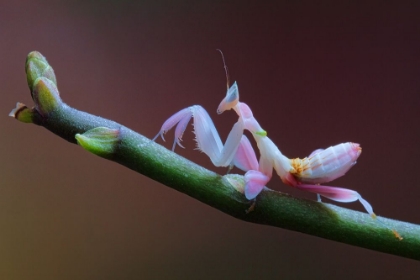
(307, 174)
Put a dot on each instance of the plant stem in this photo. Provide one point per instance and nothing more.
(115, 142)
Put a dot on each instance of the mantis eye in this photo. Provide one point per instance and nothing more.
(232, 95)
(230, 100)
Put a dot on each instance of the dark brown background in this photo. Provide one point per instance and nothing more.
(315, 75)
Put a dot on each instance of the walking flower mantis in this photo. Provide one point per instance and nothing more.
(307, 174)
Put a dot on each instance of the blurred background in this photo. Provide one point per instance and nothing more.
(314, 75)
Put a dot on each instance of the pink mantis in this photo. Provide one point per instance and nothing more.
(307, 174)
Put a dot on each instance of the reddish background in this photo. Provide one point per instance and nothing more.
(315, 75)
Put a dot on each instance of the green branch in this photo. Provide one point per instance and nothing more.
(118, 143)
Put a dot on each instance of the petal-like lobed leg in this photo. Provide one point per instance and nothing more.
(245, 158)
(254, 183)
(337, 194)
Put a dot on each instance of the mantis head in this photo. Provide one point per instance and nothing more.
(231, 99)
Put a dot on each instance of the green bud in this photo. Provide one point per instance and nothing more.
(36, 67)
(22, 113)
(46, 96)
(101, 141)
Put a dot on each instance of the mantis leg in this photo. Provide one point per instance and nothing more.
(337, 194)
(254, 183)
(207, 137)
(245, 158)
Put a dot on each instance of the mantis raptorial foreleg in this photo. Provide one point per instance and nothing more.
(207, 137)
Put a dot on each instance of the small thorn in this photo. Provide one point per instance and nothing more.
(251, 208)
(397, 235)
(179, 143)
(230, 167)
(176, 142)
(154, 138)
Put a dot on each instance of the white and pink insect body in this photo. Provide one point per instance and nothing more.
(321, 166)
(326, 165)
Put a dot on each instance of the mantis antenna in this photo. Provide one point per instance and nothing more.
(226, 69)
